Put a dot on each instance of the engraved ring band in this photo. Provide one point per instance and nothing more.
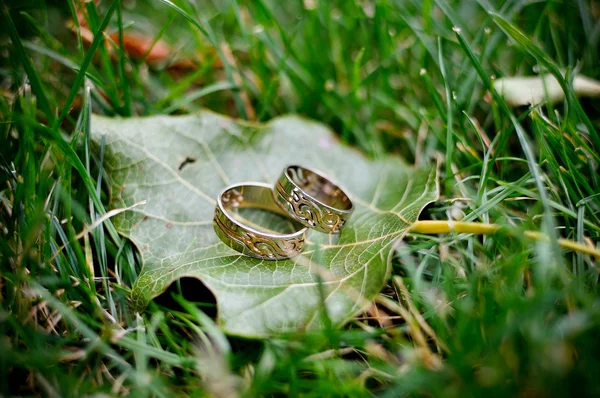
(246, 239)
(311, 198)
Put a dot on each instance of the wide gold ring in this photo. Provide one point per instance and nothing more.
(312, 199)
(251, 241)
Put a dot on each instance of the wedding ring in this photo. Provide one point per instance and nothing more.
(312, 199)
(246, 239)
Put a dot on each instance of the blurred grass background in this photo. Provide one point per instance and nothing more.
(462, 316)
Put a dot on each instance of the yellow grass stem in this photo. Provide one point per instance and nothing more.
(430, 227)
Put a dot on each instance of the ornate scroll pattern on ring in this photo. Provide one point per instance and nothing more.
(306, 211)
(261, 246)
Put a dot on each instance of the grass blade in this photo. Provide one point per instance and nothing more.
(126, 109)
(34, 79)
(449, 121)
(207, 32)
(547, 63)
(525, 144)
(98, 38)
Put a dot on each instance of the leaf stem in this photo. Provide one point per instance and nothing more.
(431, 227)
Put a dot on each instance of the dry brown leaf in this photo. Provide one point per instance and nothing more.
(518, 91)
(136, 46)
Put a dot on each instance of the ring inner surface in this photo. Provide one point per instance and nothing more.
(319, 188)
(254, 207)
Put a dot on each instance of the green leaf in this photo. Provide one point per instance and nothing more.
(179, 164)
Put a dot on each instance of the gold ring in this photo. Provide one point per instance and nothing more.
(251, 241)
(312, 199)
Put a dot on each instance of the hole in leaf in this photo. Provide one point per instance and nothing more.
(193, 290)
(187, 160)
(19, 381)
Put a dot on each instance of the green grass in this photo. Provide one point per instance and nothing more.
(463, 315)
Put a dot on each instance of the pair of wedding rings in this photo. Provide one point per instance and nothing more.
(306, 196)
